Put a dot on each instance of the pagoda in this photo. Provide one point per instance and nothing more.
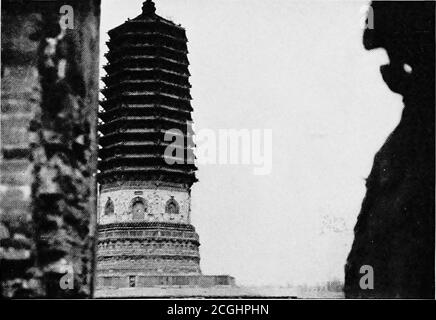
(144, 223)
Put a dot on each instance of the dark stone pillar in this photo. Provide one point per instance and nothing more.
(48, 165)
(395, 230)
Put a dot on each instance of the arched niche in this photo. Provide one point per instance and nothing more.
(138, 208)
(109, 207)
(172, 207)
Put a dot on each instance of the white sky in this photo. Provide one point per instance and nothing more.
(300, 69)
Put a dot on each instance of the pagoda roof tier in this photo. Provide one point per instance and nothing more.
(152, 83)
(147, 73)
(140, 110)
(160, 168)
(130, 158)
(144, 134)
(117, 149)
(152, 98)
(115, 104)
(131, 122)
(147, 161)
(149, 22)
(147, 174)
(147, 62)
(127, 86)
(142, 147)
(156, 113)
(145, 58)
(133, 144)
(150, 54)
(146, 49)
(148, 37)
(140, 131)
(148, 164)
(120, 148)
(146, 95)
(146, 31)
(136, 147)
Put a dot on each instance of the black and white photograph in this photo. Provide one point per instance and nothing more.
(213, 150)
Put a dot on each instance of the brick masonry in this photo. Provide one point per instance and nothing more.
(155, 201)
(49, 99)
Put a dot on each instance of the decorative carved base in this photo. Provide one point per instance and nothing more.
(133, 249)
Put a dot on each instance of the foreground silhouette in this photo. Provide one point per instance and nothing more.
(395, 230)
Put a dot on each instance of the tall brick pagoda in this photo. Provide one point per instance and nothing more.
(145, 235)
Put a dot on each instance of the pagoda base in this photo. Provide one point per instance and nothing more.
(116, 281)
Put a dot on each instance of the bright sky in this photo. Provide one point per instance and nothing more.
(300, 69)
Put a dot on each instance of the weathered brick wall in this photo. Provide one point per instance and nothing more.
(155, 202)
(48, 149)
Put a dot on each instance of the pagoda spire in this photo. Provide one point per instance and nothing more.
(148, 7)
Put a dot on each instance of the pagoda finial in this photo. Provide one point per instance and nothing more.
(148, 7)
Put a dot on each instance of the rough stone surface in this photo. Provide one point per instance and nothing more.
(49, 104)
(395, 230)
